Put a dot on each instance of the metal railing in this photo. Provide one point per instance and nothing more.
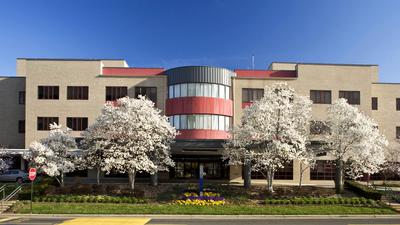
(3, 191)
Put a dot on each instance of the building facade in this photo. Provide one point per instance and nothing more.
(202, 103)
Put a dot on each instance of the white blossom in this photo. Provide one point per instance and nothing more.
(354, 141)
(52, 154)
(272, 131)
(130, 136)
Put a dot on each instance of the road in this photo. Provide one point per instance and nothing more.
(198, 221)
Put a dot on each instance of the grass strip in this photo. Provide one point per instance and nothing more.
(109, 208)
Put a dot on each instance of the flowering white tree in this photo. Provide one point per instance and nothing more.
(135, 137)
(307, 160)
(354, 141)
(272, 131)
(5, 159)
(93, 147)
(392, 156)
(52, 154)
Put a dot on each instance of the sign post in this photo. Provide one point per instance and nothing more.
(32, 177)
(201, 181)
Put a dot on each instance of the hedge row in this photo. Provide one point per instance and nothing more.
(321, 201)
(89, 199)
(363, 190)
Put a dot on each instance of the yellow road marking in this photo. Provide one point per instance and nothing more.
(106, 221)
(8, 219)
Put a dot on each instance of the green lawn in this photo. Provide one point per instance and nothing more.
(109, 208)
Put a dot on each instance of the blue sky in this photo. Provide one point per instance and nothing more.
(208, 32)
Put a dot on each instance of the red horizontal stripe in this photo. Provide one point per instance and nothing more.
(129, 71)
(265, 73)
(199, 105)
(202, 134)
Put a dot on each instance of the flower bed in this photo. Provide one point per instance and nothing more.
(208, 198)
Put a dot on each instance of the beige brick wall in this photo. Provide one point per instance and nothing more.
(315, 77)
(74, 73)
(387, 117)
(11, 111)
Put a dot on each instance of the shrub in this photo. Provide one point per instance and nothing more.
(321, 201)
(89, 199)
(363, 190)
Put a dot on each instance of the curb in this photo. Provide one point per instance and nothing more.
(205, 217)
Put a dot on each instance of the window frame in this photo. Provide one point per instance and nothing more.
(21, 126)
(21, 97)
(45, 120)
(351, 97)
(151, 90)
(48, 92)
(251, 94)
(77, 123)
(321, 96)
(113, 91)
(374, 103)
(77, 92)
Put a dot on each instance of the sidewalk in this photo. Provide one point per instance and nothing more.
(199, 217)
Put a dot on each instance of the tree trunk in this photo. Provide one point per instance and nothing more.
(270, 177)
(247, 175)
(339, 178)
(301, 175)
(154, 179)
(98, 175)
(62, 179)
(132, 176)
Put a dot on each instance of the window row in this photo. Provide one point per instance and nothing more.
(374, 101)
(115, 92)
(74, 123)
(82, 93)
(199, 121)
(199, 89)
(325, 96)
(53, 92)
(324, 170)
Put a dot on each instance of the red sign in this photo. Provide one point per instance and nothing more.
(32, 174)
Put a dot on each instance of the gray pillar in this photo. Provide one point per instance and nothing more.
(22, 163)
(154, 179)
(247, 175)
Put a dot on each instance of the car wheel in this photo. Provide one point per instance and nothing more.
(20, 180)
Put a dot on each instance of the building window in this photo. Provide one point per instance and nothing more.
(149, 92)
(21, 98)
(318, 127)
(353, 97)
(48, 92)
(202, 122)
(321, 96)
(374, 101)
(398, 132)
(323, 170)
(252, 94)
(199, 89)
(114, 93)
(398, 104)
(285, 173)
(77, 123)
(21, 126)
(77, 92)
(43, 123)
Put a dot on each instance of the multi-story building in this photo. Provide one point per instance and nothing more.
(202, 103)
